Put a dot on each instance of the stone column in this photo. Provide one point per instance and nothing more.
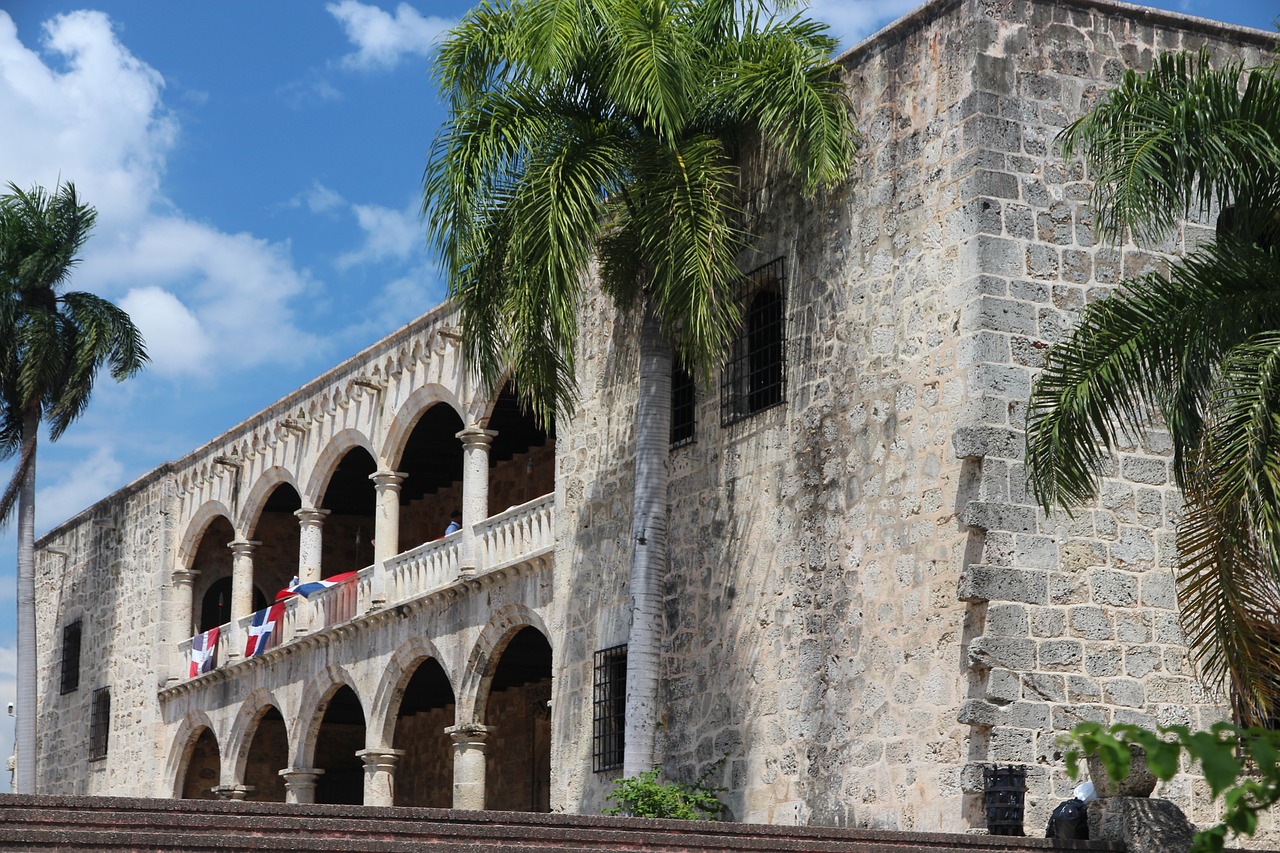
(310, 540)
(242, 577)
(379, 775)
(232, 792)
(475, 489)
(241, 592)
(300, 784)
(180, 619)
(386, 522)
(468, 764)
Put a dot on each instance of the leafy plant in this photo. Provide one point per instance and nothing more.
(1241, 766)
(643, 795)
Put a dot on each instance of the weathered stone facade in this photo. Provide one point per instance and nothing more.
(864, 606)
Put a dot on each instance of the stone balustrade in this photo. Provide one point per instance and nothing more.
(510, 537)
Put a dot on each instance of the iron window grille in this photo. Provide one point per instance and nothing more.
(682, 406)
(1004, 790)
(609, 705)
(71, 656)
(99, 723)
(754, 377)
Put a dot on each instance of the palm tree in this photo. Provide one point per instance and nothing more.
(1198, 345)
(52, 345)
(585, 131)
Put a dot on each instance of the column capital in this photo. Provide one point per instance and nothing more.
(468, 732)
(243, 547)
(383, 480)
(310, 516)
(475, 436)
(380, 758)
(232, 792)
(184, 576)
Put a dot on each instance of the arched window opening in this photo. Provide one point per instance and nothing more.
(204, 768)
(432, 459)
(215, 605)
(348, 530)
(341, 736)
(424, 774)
(212, 561)
(518, 755)
(268, 755)
(275, 559)
(522, 460)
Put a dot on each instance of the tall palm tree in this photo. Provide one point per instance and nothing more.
(52, 345)
(1199, 346)
(584, 131)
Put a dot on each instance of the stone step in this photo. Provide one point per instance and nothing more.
(116, 825)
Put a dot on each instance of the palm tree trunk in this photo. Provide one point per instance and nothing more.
(649, 559)
(25, 737)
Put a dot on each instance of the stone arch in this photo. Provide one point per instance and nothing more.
(506, 622)
(312, 707)
(263, 486)
(386, 697)
(196, 525)
(407, 415)
(258, 748)
(243, 728)
(327, 462)
(414, 706)
(193, 725)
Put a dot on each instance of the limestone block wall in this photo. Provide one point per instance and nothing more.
(864, 605)
(103, 568)
(1072, 618)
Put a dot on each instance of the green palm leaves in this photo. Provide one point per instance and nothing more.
(607, 130)
(1198, 346)
(52, 344)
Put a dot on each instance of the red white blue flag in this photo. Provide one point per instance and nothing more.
(264, 622)
(306, 590)
(203, 647)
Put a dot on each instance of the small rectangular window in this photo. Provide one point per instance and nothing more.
(682, 406)
(99, 723)
(610, 704)
(754, 377)
(71, 656)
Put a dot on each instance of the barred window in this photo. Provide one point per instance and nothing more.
(99, 723)
(682, 406)
(754, 376)
(610, 703)
(71, 656)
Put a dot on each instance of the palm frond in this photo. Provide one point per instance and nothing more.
(1183, 136)
(1150, 348)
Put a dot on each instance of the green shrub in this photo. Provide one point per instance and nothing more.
(644, 796)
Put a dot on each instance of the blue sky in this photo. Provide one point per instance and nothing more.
(256, 170)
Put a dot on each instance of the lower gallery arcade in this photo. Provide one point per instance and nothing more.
(412, 742)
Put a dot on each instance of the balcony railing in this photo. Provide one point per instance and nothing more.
(517, 534)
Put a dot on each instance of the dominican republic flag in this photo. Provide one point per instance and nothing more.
(306, 590)
(203, 647)
(264, 622)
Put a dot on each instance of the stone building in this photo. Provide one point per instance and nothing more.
(864, 607)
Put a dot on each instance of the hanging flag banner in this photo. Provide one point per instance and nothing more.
(203, 648)
(306, 590)
(264, 622)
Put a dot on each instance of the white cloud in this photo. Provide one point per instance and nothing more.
(96, 476)
(98, 119)
(382, 39)
(388, 234)
(853, 20)
(321, 199)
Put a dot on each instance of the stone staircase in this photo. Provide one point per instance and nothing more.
(117, 825)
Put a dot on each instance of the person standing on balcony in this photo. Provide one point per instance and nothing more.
(455, 522)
